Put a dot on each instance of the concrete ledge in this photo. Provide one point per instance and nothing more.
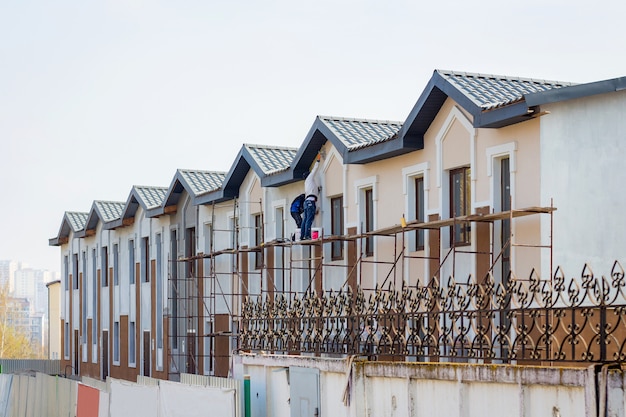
(513, 374)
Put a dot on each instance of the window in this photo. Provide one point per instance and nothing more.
(116, 341)
(336, 226)
(505, 205)
(66, 341)
(258, 239)
(279, 251)
(460, 204)
(66, 267)
(131, 344)
(369, 221)
(104, 267)
(234, 232)
(419, 212)
(208, 245)
(190, 251)
(159, 292)
(94, 297)
(208, 348)
(145, 260)
(131, 261)
(116, 269)
(84, 297)
(174, 287)
(75, 272)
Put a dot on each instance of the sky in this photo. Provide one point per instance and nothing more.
(98, 96)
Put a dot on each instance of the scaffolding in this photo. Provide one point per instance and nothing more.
(206, 301)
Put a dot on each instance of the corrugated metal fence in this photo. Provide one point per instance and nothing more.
(12, 366)
(33, 394)
(216, 382)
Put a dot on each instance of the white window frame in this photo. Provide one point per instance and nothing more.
(160, 294)
(116, 343)
(409, 174)
(132, 342)
(443, 175)
(66, 341)
(359, 187)
(95, 304)
(495, 154)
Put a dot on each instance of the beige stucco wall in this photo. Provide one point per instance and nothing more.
(450, 142)
(54, 320)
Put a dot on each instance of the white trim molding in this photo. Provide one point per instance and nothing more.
(455, 114)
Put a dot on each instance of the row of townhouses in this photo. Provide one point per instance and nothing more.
(489, 179)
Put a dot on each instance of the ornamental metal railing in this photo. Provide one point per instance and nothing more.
(529, 320)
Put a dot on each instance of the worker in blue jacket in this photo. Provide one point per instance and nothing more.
(311, 191)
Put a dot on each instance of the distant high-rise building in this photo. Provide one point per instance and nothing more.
(27, 289)
(30, 283)
(7, 271)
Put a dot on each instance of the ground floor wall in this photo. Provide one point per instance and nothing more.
(352, 387)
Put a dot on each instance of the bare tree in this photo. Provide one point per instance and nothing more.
(14, 340)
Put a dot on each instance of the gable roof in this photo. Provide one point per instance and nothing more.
(140, 195)
(265, 161)
(195, 182)
(492, 91)
(73, 221)
(492, 100)
(149, 197)
(105, 211)
(356, 134)
(269, 160)
(357, 140)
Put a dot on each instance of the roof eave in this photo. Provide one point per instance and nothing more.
(280, 179)
(429, 104)
(214, 197)
(503, 116)
(172, 196)
(385, 150)
(313, 142)
(576, 91)
(237, 173)
(114, 224)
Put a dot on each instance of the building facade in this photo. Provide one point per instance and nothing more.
(488, 177)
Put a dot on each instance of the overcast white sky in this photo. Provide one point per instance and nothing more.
(98, 96)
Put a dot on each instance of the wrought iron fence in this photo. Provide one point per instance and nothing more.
(561, 320)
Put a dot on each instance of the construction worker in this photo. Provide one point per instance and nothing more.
(311, 191)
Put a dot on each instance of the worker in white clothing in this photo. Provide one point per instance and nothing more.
(311, 191)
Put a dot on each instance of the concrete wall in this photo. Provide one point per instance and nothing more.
(362, 388)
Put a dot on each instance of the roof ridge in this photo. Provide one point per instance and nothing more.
(109, 201)
(503, 77)
(204, 171)
(286, 148)
(150, 186)
(357, 119)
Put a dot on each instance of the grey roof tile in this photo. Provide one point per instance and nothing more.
(151, 197)
(272, 159)
(76, 220)
(360, 133)
(491, 91)
(110, 210)
(202, 181)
